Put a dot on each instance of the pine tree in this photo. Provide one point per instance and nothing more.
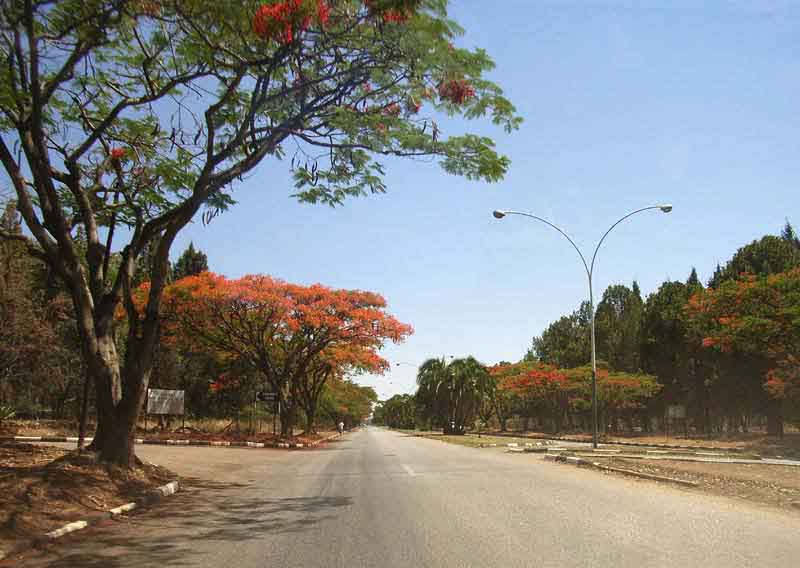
(693, 281)
(790, 235)
(191, 263)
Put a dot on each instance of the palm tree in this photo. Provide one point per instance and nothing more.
(451, 394)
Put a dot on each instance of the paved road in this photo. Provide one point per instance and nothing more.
(384, 499)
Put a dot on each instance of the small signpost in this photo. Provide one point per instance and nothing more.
(266, 396)
(676, 413)
(163, 401)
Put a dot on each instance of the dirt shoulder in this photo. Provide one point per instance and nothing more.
(44, 487)
(774, 485)
(755, 443)
(66, 428)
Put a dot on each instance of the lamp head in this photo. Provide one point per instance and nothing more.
(498, 214)
(666, 208)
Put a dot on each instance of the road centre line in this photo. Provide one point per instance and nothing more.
(409, 471)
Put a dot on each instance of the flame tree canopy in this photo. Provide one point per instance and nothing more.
(296, 337)
(533, 388)
(756, 316)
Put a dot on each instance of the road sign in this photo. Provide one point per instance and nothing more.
(161, 401)
(676, 411)
(264, 396)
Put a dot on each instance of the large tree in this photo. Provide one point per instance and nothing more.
(618, 323)
(125, 118)
(39, 356)
(452, 393)
(295, 338)
(756, 320)
(565, 342)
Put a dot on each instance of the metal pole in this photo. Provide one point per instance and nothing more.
(665, 208)
(84, 412)
(594, 366)
(275, 409)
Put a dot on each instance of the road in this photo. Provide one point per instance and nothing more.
(384, 499)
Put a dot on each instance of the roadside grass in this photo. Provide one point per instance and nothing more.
(470, 440)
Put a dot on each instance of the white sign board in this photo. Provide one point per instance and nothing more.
(160, 401)
(676, 411)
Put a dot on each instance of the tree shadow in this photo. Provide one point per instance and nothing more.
(204, 511)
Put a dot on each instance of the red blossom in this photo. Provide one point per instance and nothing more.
(150, 8)
(282, 21)
(399, 14)
(323, 12)
(457, 91)
(118, 153)
(395, 16)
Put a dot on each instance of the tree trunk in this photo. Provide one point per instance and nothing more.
(310, 415)
(288, 415)
(103, 368)
(775, 418)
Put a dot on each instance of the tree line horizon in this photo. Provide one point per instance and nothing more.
(726, 352)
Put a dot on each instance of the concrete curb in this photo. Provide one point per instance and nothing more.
(582, 462)
(152, 441)
(151, 497)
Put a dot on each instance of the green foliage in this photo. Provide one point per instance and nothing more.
(618, 327)
(768, 255)
(565, 342)
(453, 394)
(347, 401)
(6, 412)
(665, 349)
(191, 263)
(397, 412)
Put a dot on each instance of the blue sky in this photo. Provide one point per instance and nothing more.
(625, 105)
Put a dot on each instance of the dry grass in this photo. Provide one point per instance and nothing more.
(44, 487)
(774, 485)
(469, 440)
(756, 443)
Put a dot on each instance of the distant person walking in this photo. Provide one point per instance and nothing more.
(341, 428)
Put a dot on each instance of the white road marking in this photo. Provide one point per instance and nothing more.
(409, 471)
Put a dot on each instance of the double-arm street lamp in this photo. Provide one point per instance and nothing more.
(664, 208)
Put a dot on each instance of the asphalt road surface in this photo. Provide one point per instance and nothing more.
(384, 499)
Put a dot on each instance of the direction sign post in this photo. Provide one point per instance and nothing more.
(266, 396)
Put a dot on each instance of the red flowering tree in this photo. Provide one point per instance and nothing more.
(504, 398)
(756, 317)
(542, 390)
(557, 394)
(296, 337)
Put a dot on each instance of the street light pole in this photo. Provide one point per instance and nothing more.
(664, 208)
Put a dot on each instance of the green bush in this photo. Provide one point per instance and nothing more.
(6, 413)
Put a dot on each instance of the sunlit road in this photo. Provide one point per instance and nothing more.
(383, 499)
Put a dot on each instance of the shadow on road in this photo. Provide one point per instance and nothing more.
(203, 512)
